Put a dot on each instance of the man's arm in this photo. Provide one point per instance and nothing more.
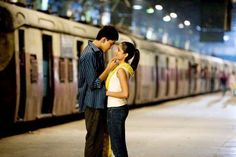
(88, 67)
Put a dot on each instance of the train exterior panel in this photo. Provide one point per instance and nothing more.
(39, 56)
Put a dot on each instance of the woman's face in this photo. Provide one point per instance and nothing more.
(120, 53)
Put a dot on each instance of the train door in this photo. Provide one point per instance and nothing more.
(176, 77)
(195, 74)
(79, 45)
(212, 77)
(189, 77)
(48, 83)
(182, 76)
(22, 101)
(157, 76)
(167, 77)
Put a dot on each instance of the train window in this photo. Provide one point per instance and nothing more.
(70, 70)
(33, 68)
(62, 70)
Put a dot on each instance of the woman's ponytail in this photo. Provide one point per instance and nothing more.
(135, 61)
(129, 48)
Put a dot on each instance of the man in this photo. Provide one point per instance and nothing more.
(92, 97)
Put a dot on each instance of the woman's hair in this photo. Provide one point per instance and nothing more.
(129, 48)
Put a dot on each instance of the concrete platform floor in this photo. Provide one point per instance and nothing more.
(201, 126)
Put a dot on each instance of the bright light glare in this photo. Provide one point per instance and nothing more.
(158, 7)
(173, 15)
(69, 13)
(45, 5)
(165, 38)
(166, 18)
(137, 7)
(149, 33)
(226, 37)
(187, 23)
(106, 18)
(150, 10)
(198, 28)
(181, 26)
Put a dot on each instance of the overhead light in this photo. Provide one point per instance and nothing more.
(83, 18)
(198, 28)
(106, 18)
(187, 23)
(150, 10)
(158, 7)
(137, 7)
(166, 18)
(226, 37)
(69, 13)
(173, 15)
(181, 26)
(45, 5)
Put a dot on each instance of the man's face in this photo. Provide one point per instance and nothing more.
(107, 44)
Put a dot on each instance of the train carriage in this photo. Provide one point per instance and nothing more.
(43, 52)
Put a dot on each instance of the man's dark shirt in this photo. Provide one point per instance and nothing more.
(91, 89)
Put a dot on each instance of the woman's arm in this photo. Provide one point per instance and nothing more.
(124, 93)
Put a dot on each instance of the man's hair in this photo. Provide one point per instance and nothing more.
(109, 32)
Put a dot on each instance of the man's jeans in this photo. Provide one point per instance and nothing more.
(116, 117)
(95, 121)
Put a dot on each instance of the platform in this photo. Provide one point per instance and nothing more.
(201, 126)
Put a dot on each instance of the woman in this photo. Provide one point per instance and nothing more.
(117, 85)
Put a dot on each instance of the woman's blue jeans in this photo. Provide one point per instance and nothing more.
(116, 117)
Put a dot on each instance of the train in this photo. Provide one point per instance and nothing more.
(39, 56)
